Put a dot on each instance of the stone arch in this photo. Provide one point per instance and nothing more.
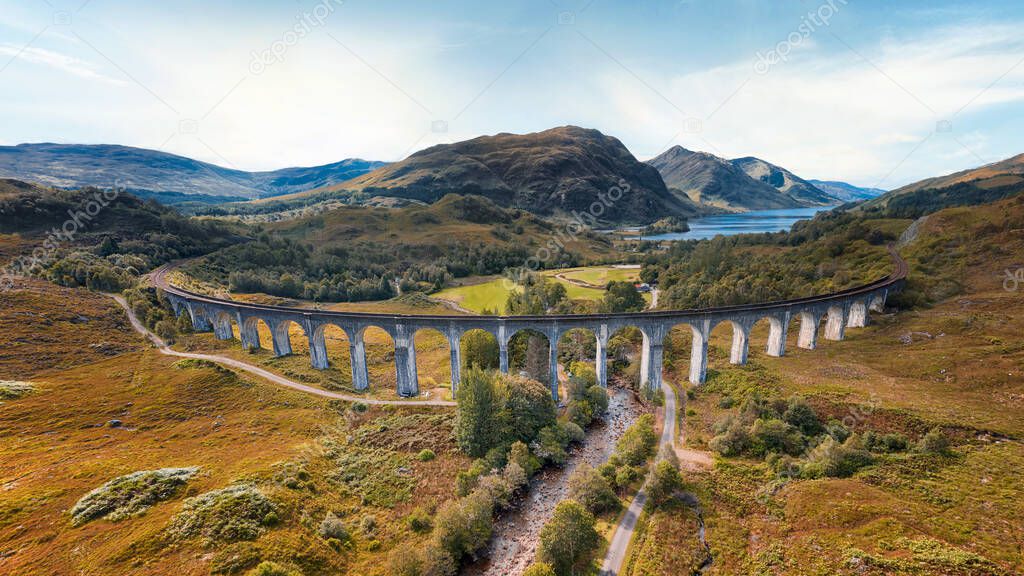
(623, 352)
(479, 347)
(379, 351)
(773, 328)
(579, 344)
(529, 352)
(858, 315)
(433, 359)
(809, 320)
(252, 330)
(738, 334)
(288, 340)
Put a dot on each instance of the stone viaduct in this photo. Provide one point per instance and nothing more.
(839, 310)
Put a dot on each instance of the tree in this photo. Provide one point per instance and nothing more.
(623, 297)
(478, 424)
(479, 349)
(528, 408)
(537, 297)
(568, 537)
(464, 525)
(665, 479)
(934, 442)
(589, 488)
(537, 357)
(801, 415)
(637, 444)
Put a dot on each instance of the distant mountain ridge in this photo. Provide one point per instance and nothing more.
(555, 172)
(846, 192)
(107, 165)
(741, 184)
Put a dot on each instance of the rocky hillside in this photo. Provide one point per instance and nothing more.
(740, 185)
(784, 181)
(143, 170)
(846, 192)
(552, 173)
(987, 183)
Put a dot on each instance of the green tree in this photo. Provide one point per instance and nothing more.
(528, 408)
(623, 296)
(478, 425)
(479, 349)
(665, 479)
(568, 537)
(589, 488)
(539, 569)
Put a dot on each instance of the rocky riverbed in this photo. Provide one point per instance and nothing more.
(516, 534)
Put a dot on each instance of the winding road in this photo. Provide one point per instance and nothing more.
(256, 370)
(616, 555)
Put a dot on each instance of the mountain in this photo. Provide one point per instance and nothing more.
(714, 181)
(140, 169)
(784, 181)
(846, 192)
(552, 173)
(980, 185)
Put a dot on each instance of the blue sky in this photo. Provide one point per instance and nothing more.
(872, 92)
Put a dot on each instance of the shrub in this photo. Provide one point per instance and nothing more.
(588, 487)
(539, 569)
(802, 416)
(130, 495)
(550, 445)
(665, 479)
(626, 475)
(520, 455)
(12, 390)
(419, 520)
(368, 525)
(572, 432)
(359, 407)
(268, 568)
(226, 515)
(580, 412)
(767, 436)
(732, 439)
(832, 459)
(598, 398)
(466, 480)
(568, 537)
(333, 527)
(934, 442)
(885, 443)
(426, 455)
(463, 526)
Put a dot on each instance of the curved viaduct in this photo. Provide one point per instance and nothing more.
(847, 308)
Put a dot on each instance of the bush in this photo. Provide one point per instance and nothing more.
(835, 460)
(665, 479)
(580, 412)
(520, 455)
(528, 408)
(368, 525)
(885, 443)
(225, 515)
(539, 569)
(768, 436)
(463, 526)
(572, 432)
(333, 527)
(732, 439)
(419, 520)
(588, 487)
(426, 455)
(934, 442)
(466, 480)
(803, 417)
(598, 399)
(130, 495)
(478, 427)
(637, 444)
(568, 537)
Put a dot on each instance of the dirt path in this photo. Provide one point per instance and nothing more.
(516, 534)
(276, 379)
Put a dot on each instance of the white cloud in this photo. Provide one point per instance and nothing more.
(55, 60)
(833, 114)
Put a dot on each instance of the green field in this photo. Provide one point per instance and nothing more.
(493, 294)
(478, 297)
(599, 275)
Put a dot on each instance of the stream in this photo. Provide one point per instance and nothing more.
(517, 532)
